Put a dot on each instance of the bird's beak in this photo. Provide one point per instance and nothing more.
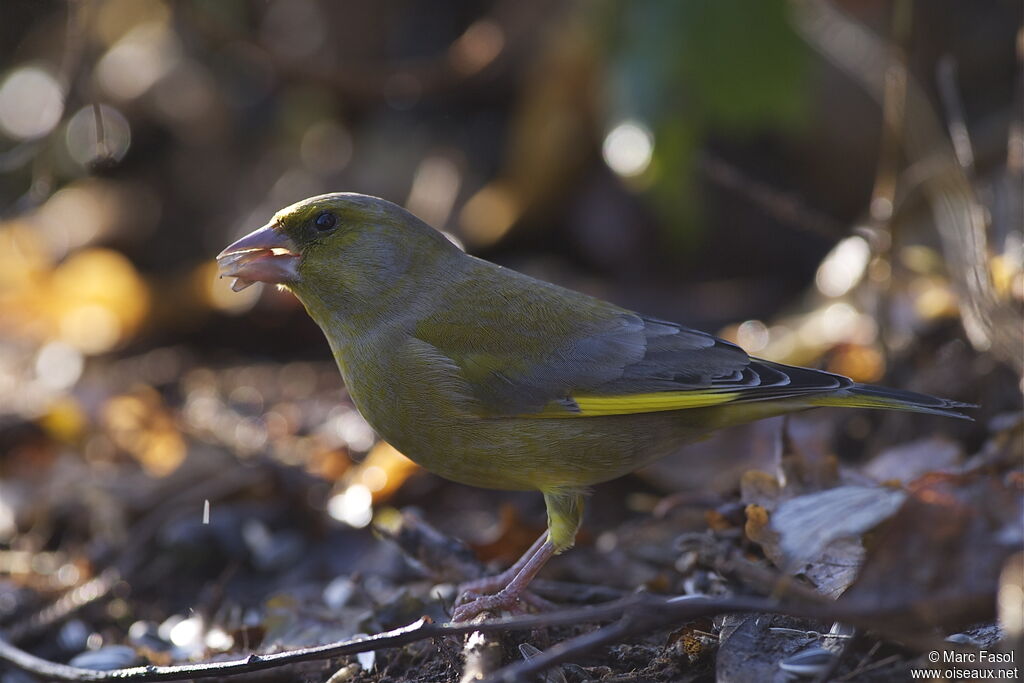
(266, 255)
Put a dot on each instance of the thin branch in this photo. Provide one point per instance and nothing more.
(782, 206)
(637, 613)
(894, 94)
(567, 650)
(1014, 214)
(945, 76)
(864, 661)
(63, 607)
(417, 630)
(869, 667)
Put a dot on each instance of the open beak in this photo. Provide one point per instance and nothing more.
(266, 255)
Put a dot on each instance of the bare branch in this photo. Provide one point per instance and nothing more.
(945, 75)
(636, 614)
(784, 207)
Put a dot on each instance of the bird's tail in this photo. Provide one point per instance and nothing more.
(870, 396)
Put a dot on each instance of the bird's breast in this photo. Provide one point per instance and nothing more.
(419, 402)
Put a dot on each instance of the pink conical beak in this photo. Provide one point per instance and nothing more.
(266, 255)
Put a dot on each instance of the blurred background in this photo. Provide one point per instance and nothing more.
(829, 184)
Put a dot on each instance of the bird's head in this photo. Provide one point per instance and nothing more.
(338, 249)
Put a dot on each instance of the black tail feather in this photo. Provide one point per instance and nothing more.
(898, 399)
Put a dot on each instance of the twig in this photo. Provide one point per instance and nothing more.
(870, 667)
(867, 657)
(435, 554)
(63, 607)
(76, 28)
(637, 613)
(784, 207)
(418, 630)
(1013, 214)
(102, 153)
(1015, 139)
(569, 649)
(945, 76)
(894, 93)
(574, 592)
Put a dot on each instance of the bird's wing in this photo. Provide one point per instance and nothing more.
(546, 352)
(683, 368)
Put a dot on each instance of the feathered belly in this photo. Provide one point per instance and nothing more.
(540, 454)
(427, 412)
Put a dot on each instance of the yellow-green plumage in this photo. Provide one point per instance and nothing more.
(495, 379)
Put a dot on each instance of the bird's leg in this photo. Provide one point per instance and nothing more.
(471, 590)
(515, 590)
(565, 510)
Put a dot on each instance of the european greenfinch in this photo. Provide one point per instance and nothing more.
(495, 379)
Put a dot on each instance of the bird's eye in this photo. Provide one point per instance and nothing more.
(326, 221)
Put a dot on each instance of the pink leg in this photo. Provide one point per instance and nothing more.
(510, 596)
(565, 509)
(470, 590)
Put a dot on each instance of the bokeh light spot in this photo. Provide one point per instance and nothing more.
(31, 103)
(217, 292)
(100, 299)
(353, 506)
(752, 336)
(628, 148)
(478, 47)
(137, 61)
(374, 478)
(92, 328)
(114, 18)
(59, 365)
(434, 187)
(347, 427)
(186, 94)
(489, 214)
(74, 216)
(844, 266)
(187, 633)
(96, 134)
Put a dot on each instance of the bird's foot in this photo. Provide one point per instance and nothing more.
(487, 585)
(469, 604)
(508, 588)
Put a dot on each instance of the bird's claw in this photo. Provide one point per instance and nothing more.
(472, 606)
(469, 603)
(487, 585)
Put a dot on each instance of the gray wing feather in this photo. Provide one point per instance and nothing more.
(648, 355)
(594, 348)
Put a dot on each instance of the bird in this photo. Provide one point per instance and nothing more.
(489, 377)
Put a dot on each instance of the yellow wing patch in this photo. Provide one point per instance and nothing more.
(629, 404)
(858, 401)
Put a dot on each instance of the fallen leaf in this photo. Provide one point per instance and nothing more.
(937, 560)
(907, 462)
